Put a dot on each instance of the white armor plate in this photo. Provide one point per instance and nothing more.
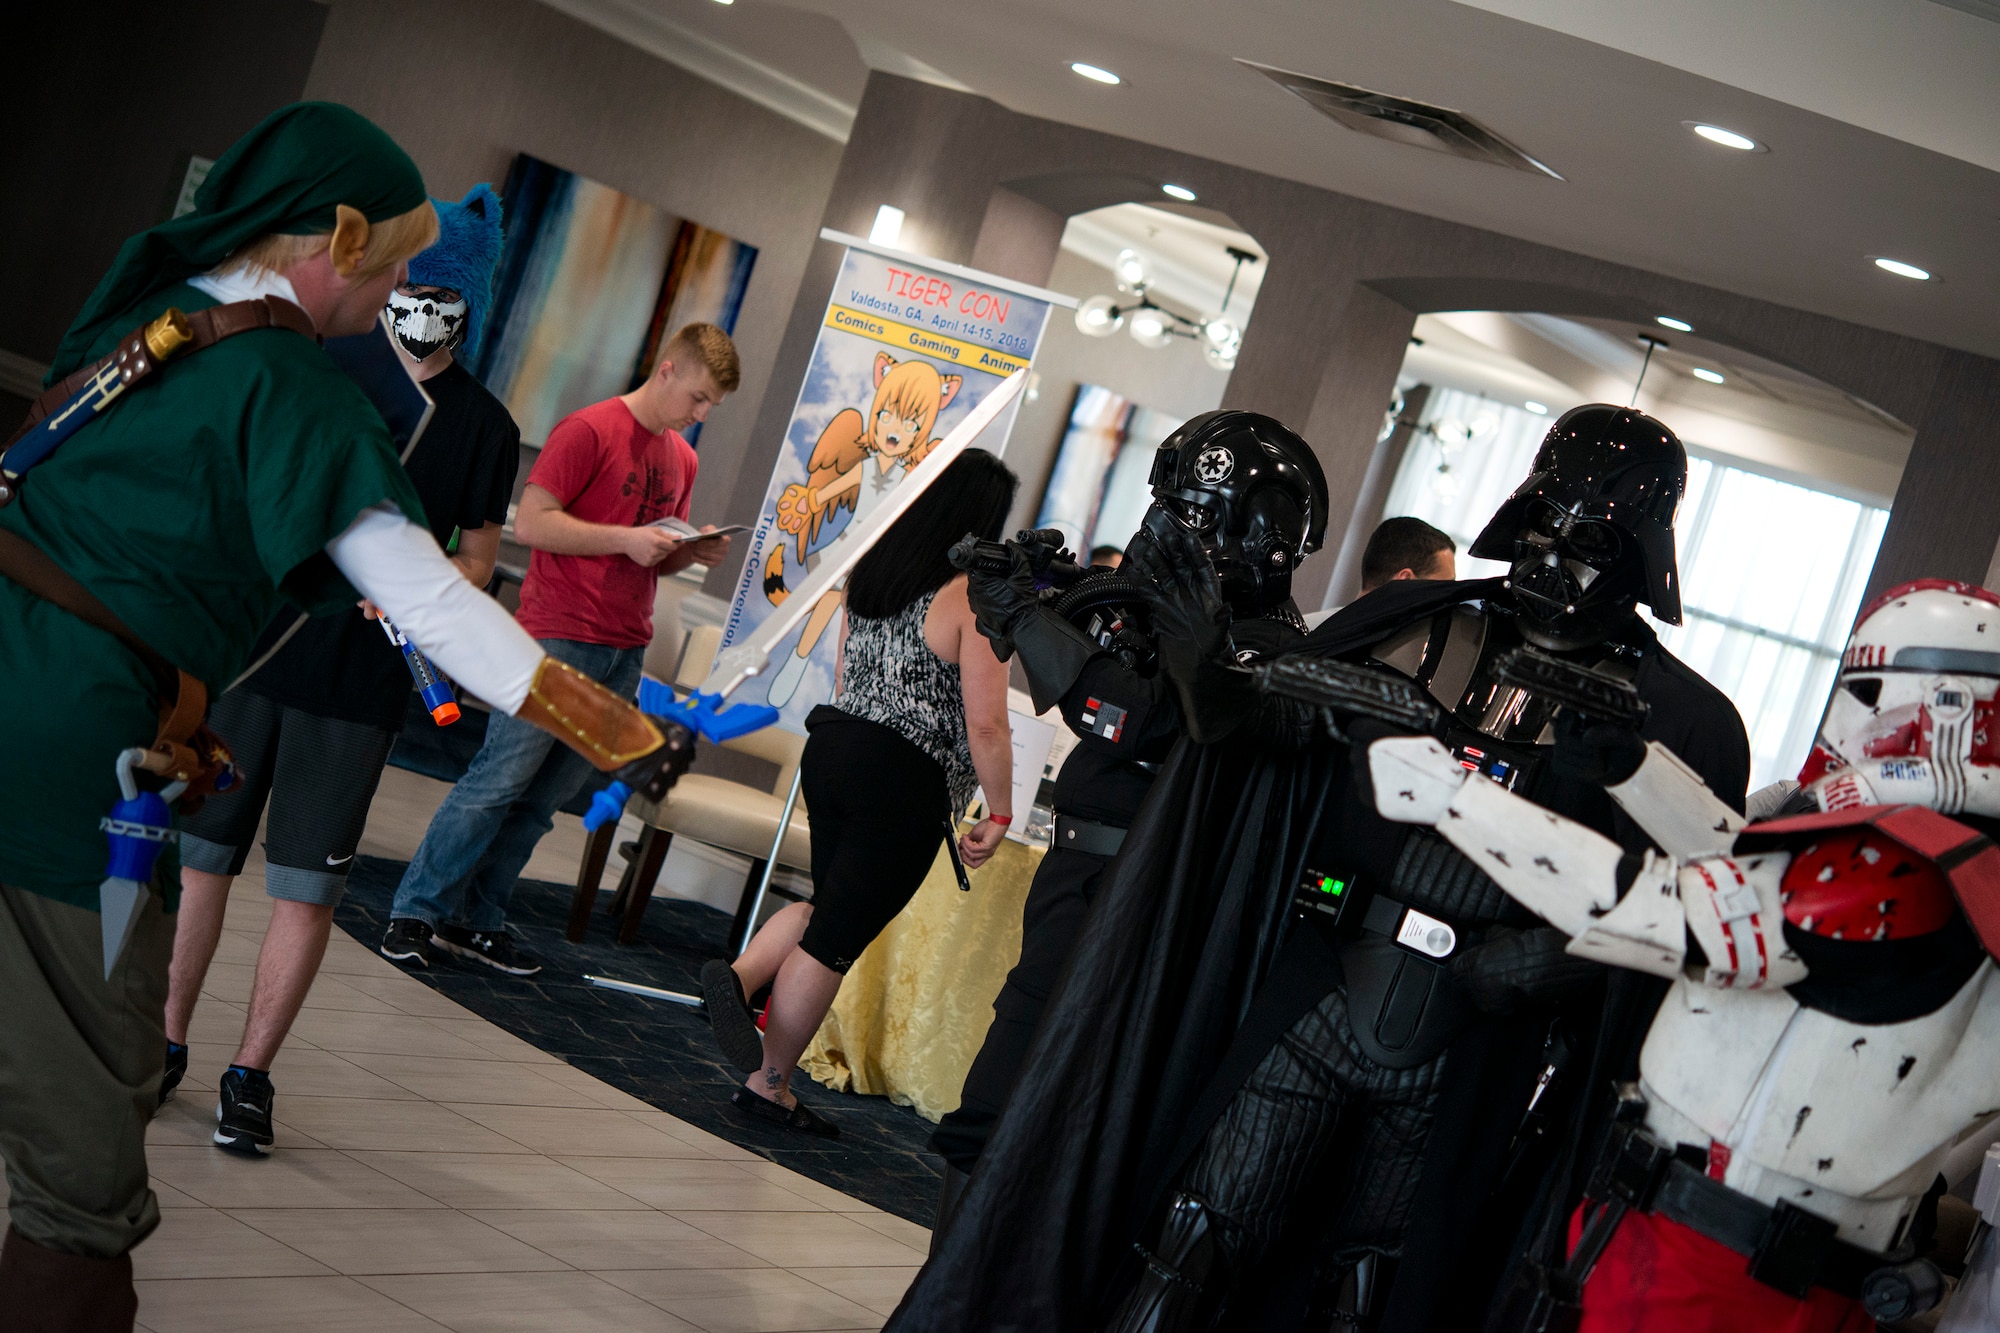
(1849, 1120)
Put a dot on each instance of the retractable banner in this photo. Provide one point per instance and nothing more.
(907, 348)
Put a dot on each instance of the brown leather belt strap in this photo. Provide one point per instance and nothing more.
(28, 565)
(210, 327)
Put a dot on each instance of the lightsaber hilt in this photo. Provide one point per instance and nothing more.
(437, 692)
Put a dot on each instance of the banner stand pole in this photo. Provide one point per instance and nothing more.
(770, 863)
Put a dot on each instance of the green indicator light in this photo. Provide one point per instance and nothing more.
(1332, 887)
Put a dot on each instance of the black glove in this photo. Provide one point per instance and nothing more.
(1512, 968)
(1001, 601)
(1190, 622)
(651, 775)
(1602, 753)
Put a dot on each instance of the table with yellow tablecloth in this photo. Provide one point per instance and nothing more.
(915, 1006)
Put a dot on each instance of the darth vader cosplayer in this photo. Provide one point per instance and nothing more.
(1253, 495)
(1237, 1112)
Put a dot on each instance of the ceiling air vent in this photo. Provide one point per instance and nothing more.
(1401, 120)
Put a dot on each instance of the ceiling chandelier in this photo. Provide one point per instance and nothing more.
(1156, 325)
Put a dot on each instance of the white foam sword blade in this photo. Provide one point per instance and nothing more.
(739, 662)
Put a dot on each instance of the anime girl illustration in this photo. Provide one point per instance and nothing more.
(856, 461)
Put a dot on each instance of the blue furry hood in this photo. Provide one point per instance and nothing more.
(464, 256)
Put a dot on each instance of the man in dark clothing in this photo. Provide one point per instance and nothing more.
(1126, 723)
(1239, 1092)
(313, 724)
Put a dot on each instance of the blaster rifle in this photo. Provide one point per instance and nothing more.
(1344, 688)
(1054, 567)
(1596, 695)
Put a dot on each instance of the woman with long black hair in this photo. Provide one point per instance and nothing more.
(919, 717)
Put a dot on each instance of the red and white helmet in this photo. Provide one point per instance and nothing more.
(1918, 680)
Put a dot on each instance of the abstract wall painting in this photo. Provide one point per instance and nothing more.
(592, 283)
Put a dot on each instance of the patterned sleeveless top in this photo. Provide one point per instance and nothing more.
(892, 677)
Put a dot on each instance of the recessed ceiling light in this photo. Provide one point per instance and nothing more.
(1701, 373)
(1672, 323)
(1727, 138)
(1180, 192)
(1902, 270)
(1093, 73)
(1539, 409)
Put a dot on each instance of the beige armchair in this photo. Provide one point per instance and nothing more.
(731, 815)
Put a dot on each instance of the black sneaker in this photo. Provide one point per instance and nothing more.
(243, 1115)
(408, 941)
(496, 950)
(176, 1070)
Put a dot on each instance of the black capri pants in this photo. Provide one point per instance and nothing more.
(878, 806)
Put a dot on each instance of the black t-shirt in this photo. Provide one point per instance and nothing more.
(344, 666)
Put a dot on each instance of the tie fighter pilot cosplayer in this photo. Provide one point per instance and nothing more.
(1235, 1101)
(1256, 497)
(1833, 1029)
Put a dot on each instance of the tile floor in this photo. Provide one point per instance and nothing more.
(433, 1171)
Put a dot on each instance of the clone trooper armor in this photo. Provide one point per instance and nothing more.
(1832, 1035)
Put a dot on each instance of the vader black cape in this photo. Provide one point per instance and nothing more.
(1186, 931)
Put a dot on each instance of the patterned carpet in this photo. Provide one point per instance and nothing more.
(655, 1050)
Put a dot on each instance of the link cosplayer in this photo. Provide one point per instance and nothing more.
(1832, 1038)
(1255, 497)
(139, 562)
(1258, 1100)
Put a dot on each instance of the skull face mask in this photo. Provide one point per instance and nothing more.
(427, 319)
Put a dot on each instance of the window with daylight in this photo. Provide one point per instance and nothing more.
(1771, 572)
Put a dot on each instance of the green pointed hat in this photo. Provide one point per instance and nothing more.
(285, 176)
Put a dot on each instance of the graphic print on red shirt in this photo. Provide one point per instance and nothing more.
(604, 467)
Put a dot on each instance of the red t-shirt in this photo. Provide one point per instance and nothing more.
(605, 468)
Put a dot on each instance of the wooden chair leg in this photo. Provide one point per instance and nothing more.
(595, 853)
(652, 855)
(624, 892)
(743, 904)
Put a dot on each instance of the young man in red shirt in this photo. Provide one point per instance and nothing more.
(607, 473)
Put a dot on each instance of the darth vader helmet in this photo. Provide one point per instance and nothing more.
(1252, 493)
(1591, 531)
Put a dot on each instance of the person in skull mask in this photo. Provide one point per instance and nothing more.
(1256, 496)
(312, 725)
(1258, 1100)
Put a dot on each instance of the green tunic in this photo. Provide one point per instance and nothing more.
(196, 509)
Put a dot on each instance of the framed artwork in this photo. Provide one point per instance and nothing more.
(591, 284)
(1099, 487)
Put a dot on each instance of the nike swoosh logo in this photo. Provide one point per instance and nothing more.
(342, 861)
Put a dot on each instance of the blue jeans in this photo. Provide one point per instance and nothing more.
(465, 871)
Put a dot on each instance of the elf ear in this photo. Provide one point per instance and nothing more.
(350, 240)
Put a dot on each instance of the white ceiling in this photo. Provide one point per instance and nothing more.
(1882, 116)
(1189, 256)
(1763, 415)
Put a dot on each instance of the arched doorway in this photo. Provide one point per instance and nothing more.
(1166, 293)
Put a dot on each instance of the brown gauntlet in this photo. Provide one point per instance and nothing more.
(646, 753)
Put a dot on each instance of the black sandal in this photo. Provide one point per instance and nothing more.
(798, 1116)
(730, 1017)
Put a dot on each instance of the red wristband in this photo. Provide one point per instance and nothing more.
(1002, 820)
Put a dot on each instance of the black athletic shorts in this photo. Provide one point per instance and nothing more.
(878, 807)
(320, 774)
